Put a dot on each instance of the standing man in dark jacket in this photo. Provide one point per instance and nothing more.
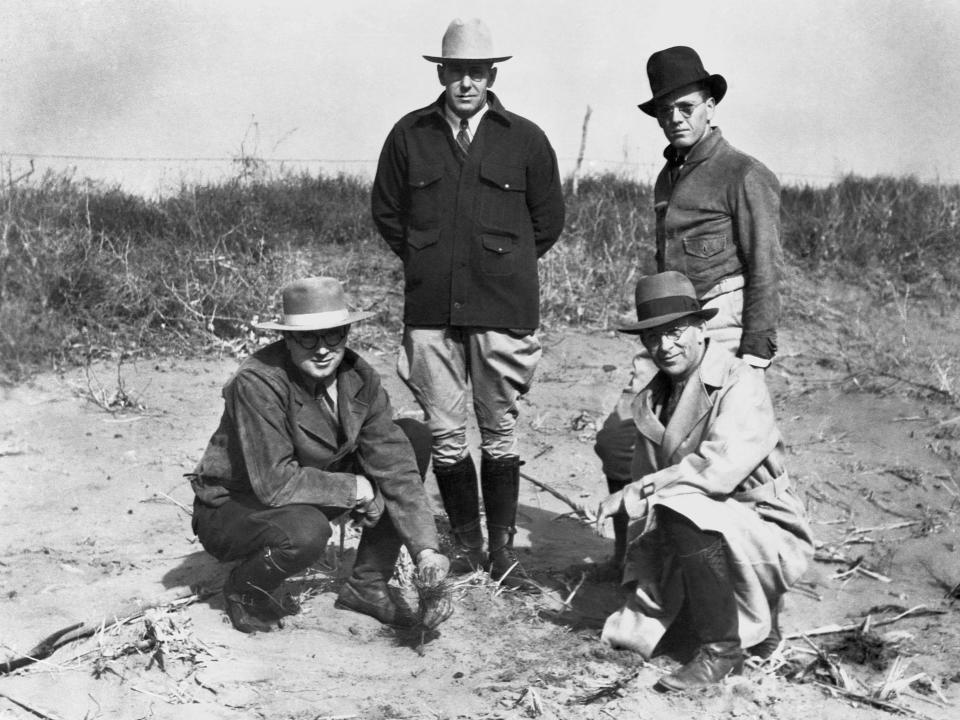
(306, 437)
(469, 196)
(718, 222)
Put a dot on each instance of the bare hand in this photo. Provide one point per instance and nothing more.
(433, 567)
(611, 505)
(365, 491)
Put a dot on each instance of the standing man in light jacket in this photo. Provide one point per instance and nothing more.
(718, 222)
(468, 195)
(715, 524)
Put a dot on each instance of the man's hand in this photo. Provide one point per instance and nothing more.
(432, 566)
(607, 508)
(369, 504)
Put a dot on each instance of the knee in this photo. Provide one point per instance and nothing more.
(302, 539)
(615, 444)
(420, 440)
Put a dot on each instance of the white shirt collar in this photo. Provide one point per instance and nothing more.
(472, 122)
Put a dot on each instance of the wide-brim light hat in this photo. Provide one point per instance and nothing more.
(663, 298)
(468, 41)
(315, 303)
(674, 68)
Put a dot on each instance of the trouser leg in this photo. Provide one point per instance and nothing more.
(270, 543)
(620, 523)
(711, 602)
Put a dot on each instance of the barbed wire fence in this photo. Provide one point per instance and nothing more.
(170, 172)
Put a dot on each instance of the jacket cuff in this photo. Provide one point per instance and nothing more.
(762, 345)
(754, 361)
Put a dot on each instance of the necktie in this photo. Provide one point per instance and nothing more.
(463, 137)
(672, 402)
(326, 399)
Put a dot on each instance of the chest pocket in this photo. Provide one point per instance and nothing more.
(704, 246)
(424, 184)
(503, 199)
(509, 178)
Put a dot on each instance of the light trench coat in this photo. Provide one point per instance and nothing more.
(719, 463)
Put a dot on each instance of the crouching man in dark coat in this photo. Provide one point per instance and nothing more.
(716, 530)
(307, 436)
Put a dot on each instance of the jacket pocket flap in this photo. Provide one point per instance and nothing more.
(422, 176)
(422, 238)
(505, 177)
(705, 245)
(500, 244)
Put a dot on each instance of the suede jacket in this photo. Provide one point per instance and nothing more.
(277, 442)
(469, 231)
(718, 220)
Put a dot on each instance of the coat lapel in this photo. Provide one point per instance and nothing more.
(646, 409)
(693, 407)
(314, 420)
(696, 401)
(351, 409)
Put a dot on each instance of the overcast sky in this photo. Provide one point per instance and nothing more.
(817, 88)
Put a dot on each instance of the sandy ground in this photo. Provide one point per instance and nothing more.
(92, 525)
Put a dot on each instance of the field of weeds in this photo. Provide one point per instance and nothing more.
(88, 271)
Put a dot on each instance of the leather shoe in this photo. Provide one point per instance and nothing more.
(712, 663)
(246, 612)
(374, 599)
(504, 566)
(465, 560)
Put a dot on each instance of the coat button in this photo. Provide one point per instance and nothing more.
(458, 305)
(506, 185)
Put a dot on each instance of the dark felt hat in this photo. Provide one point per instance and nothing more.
(663, 298)
(671, 69)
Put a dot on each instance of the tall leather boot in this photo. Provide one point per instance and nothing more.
(713, 606)
(461, 500)
(249, 593)
(366, 591)
(500, 483)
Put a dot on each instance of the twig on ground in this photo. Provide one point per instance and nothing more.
(611, 691)
(583, 577)
(581, 512)
(872, 701)
(78, 631)
(29, 708)
(858, 568)
(873, 501)
(172, 500)
(917, 611)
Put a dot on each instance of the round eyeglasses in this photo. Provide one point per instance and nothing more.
(310, 340)
(474, 72)
(652, 338)
(686, 109)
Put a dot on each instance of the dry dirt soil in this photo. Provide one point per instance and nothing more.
(95, 525)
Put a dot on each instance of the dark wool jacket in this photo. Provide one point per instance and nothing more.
(469, 233)
(719, 219)
(277, 442)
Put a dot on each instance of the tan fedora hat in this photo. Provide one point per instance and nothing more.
(316, 303)
(663, 298)
(468, 41)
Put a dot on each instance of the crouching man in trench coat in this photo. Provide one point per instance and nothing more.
(307, 436)
(716, 529)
